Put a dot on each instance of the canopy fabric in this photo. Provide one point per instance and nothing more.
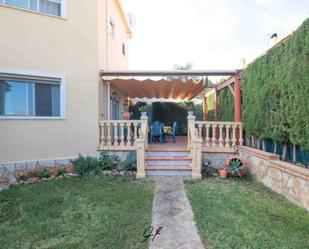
(149, 88)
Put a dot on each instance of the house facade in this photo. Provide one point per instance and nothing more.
(51, 95)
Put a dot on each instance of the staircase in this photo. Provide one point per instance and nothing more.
(176, 162)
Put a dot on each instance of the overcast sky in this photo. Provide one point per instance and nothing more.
(212, 34)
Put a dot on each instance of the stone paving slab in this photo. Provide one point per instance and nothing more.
(172, 211)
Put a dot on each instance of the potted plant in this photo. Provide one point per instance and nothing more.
(237, 166)
(126, 114)
(143, 109)
(223, 172)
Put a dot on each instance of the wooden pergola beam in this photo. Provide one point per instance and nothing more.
(141, 73)
(226, 83)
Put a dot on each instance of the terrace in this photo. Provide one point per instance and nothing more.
(203, 136)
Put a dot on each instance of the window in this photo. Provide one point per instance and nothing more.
(29, 97)
(123, 49)
(50, 7)
(111, 27)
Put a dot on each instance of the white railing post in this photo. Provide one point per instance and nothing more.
(196, 158)
(144, 128)
(140, 158)
(191, 121)
(195, 145)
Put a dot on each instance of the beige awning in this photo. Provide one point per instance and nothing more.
(149, 88)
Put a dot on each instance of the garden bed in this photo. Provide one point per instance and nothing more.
(92, 212)
(240, 213)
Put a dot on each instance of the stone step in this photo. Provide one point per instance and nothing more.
(171, 149)
(167, 154)
(186, 173)
(168, 163)
(169, 158)
(169, 168)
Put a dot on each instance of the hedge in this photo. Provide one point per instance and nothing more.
(226, 105)
(275, 91)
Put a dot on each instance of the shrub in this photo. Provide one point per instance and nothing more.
(25, 177)
(276, 92)
(43, 173)
(107, 161)
(129, 163)
(85, 165)
(61, 172)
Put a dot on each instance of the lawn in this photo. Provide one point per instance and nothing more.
(245, 214)
(95, 212)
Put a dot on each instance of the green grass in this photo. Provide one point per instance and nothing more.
(95, 212)
(245, 214)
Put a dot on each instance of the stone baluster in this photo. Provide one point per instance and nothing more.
(108, 134)
(129, 131)
(115, 128)
(135, 131)
(207, 139)
(220, 144)
(229, 128)
(200, 129)
(102, 142)
(234, 134)
(241, 141)
(122, 142)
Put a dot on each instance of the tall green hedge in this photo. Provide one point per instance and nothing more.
(226, 105)
(210, 104)
(275, 90)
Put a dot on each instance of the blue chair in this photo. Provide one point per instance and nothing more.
(156, 131)
(172, 133)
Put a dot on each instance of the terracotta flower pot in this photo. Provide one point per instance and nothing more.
(126, 115)
(244, 171)
(222, 173)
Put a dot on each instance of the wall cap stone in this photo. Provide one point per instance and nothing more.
(259, 153)
(290, 169)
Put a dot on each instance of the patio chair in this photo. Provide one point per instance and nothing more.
(156, 131)
(172, 133)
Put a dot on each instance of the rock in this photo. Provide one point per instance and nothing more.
(69, 169)
(32, 180)
(107, 172)
(13, 180)
(53, 170)
(51, 177)
(122, 173)
(71, 175)
(20, 173)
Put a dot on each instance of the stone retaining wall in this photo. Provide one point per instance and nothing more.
(19, 168)
(216, 159)
(284, 178)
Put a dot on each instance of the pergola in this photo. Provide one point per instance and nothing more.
(171, 84)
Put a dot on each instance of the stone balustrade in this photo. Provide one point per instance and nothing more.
(120, 134)
(220, 134)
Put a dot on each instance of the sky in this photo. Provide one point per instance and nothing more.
(211, 34)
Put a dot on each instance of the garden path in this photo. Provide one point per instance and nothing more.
(172, 211)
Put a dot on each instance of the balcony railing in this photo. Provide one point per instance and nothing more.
(126, 135)
(120, 134)
(220, 134)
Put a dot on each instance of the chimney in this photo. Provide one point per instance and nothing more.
(273, 40)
